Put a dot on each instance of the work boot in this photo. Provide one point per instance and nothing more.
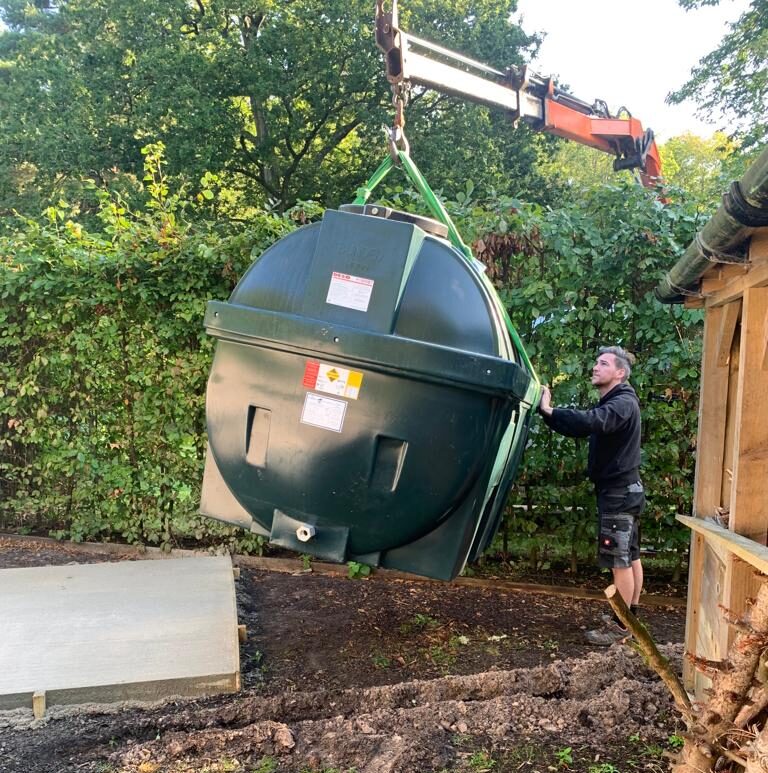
(610, 634)
(611, 619)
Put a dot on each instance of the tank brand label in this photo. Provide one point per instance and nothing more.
(332, 379)
(351, 292)
(323, 412)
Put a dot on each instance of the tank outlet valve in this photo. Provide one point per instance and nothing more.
(306, 532)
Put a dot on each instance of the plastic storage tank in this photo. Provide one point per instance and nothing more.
(365, 401)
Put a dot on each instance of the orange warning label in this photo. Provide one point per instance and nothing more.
(332, 379)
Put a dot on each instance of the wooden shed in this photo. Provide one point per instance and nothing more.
(725, 272)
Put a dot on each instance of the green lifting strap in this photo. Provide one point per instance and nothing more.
(438, 210)
(435, 205)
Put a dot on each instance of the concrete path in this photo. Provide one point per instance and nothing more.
(114, 631)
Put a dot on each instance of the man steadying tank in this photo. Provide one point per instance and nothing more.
(613, 428)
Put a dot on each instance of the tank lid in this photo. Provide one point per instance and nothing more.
(427, 224)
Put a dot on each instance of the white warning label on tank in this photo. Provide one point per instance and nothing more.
(323, 412)
(351, 292)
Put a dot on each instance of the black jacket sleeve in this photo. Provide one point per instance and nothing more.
(601, 420)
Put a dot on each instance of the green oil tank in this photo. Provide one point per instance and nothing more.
(366, 401)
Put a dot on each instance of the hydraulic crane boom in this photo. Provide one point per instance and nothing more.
(523, 94)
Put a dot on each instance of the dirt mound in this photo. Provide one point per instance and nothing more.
(408, 728)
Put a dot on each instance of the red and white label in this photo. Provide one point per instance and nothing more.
(351, 292)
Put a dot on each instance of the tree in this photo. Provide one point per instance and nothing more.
(702, 168)
(578, 166)
(285, 101)
(696, 169)
(733, 79)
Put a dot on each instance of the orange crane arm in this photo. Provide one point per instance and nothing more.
(523, 94)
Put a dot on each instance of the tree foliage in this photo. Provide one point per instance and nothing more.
(701, 168)
(732, 80)
(694, 168)
(576, 167)
(285, 101)
(103, 364)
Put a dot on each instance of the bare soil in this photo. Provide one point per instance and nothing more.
(379, 676)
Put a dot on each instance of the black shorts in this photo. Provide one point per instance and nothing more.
(618, 527)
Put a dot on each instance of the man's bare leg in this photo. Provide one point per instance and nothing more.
(637, 575)
(624, 580)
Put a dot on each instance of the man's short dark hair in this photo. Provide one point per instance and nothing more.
(624, 359)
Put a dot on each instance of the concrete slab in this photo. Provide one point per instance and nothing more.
(140, 630)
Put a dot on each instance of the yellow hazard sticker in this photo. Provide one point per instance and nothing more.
(332, 379)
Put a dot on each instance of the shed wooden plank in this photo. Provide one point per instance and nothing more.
(735, 288)
(728, 321)
(748, 506)
(765, 344)
(758, 246)
(713, 403)
(709, 468)
(709, 643)
(721, 274)
(144, 629)
(749, 509)
(746, 549)
(731, 422)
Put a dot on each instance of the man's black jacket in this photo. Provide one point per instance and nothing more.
(613, 427)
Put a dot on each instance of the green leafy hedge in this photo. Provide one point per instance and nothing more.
(103, 366)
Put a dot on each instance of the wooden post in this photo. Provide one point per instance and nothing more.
(748, 507)
(709, 464)
(728, 321)
(758, 253)
(38, 704)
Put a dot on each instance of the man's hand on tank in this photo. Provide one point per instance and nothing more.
(545, 405)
